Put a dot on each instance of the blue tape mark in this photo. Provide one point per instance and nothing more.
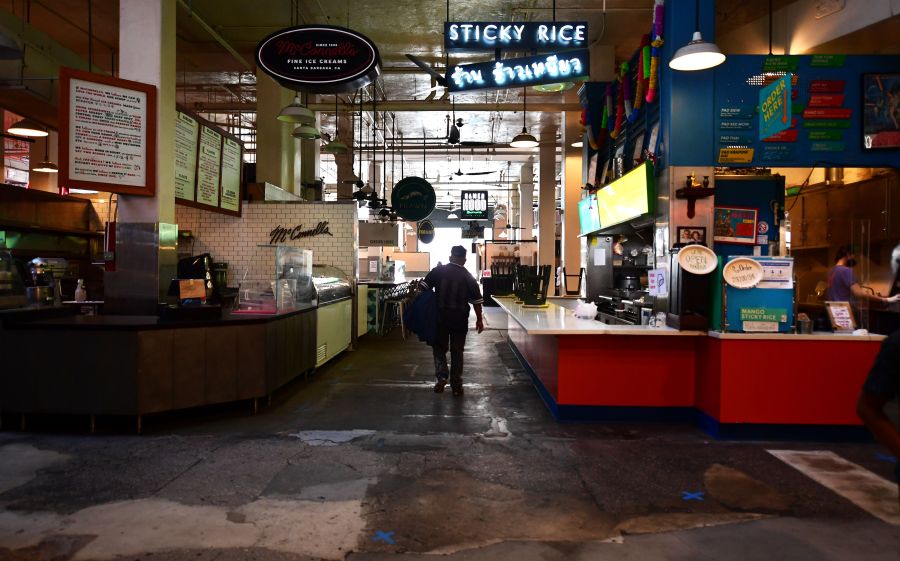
(690, 496)
(386, 537)
(380, 443)
(885, 458)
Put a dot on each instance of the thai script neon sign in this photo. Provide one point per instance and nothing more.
(518, 72)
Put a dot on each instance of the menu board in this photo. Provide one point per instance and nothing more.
(187, 129)
(208, 171)
(107, 133)
(231, 175)
(820, 110)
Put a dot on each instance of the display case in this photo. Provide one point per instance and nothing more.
(278, 281)
(330, 284)
(334, 315)
(12, 290)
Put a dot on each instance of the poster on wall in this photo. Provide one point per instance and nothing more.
(107, 133)
(231, 175)
(208, 167)
(881, 111)
(187, 129)
(734, 225)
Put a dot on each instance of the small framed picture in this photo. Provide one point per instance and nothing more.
(691, 234)
(881, 111)
(735, 225)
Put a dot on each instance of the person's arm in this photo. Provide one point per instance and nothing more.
(870, 408)
(479, 319)
(477, 302)
(861, 293)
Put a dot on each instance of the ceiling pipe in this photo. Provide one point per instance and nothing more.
(212, 33)
(398, 106)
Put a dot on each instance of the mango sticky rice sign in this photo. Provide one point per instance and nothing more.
(775, 107)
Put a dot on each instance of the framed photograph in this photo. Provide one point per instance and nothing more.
(735, 225)
(691, 234)
(881, 111)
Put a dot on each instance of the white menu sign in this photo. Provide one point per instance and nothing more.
(231, 175)
(186, 132)
(208, 170)
(107, 134)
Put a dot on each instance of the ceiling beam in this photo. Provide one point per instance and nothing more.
(212, 33)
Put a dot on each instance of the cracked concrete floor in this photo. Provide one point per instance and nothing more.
(365, 462)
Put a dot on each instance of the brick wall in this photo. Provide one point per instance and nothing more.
(235, 240)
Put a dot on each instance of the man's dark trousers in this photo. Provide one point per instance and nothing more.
(455, 340)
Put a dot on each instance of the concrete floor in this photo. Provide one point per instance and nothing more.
(365, 462)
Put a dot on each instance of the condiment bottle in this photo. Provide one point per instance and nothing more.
(80, 292)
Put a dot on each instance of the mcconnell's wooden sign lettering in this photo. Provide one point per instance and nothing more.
(281, 234)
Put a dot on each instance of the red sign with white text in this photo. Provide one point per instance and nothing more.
(789, 135)
(826, 86)
(827, 113)
(826, 100)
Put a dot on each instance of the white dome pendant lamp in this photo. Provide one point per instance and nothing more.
(697, 54)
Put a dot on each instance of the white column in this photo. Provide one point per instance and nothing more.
(525, 203)
(276, 149)
(547, 200)
(571, 194)
(147, 54)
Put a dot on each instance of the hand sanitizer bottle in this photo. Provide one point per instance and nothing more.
(80, 292)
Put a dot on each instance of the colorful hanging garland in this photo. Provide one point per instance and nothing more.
(643, 77)
(656, 44)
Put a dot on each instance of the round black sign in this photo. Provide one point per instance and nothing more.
(413, 198)
(425, 230)
(319, 58)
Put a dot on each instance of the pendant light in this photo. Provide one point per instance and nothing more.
(336, 146)
(9, 49)
(698, 54)
(46, 165)
(524, 139)
(27, 127)
(296, 112)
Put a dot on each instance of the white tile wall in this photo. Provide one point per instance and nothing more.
(236, 240)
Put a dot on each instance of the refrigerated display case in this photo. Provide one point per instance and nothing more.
(334, 315)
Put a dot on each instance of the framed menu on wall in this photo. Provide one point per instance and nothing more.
(209, 169)
(187, 131)
(231, 175)
(208, 165)
(107, 133)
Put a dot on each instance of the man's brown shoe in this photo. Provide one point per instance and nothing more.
(439, 386)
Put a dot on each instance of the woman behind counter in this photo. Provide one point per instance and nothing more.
(843, 284)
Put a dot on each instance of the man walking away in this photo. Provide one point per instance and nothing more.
(456, 289)
(883, 385)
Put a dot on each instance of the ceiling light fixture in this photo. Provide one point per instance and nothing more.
(524, 139)
(698, 54)
(554, 87)
(577, 144)
(9, 49)
(452, 215)
(46, 165)
(306, 132)
(296, 112)
(27, 127)
(336, 146)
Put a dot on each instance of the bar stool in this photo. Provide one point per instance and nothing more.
(395, 299)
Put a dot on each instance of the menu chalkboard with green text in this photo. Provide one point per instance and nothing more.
(208, 164)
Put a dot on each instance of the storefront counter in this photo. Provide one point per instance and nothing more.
(134, 365)
(731, 383)
(750, 381)
(585, 369)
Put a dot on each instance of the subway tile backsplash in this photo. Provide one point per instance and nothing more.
(236, 240)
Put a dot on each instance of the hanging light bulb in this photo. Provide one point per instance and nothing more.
(336, 146)
(296, 112)
(698, 54)
(503, 234)
(27, 127)
(453, 215)
(524, 139)
(46, 165)
(306, 132)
